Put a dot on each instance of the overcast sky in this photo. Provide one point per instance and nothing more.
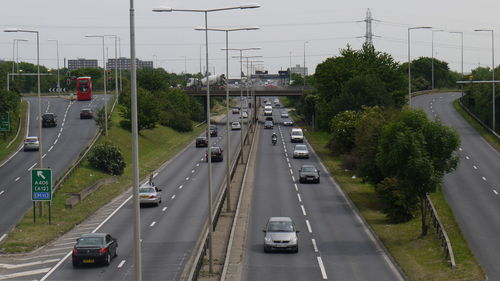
(169, 39)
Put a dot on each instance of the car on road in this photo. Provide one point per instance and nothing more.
(213, 130)
(244, 114)
(281, 234)
(216, 154)
(268, 124)
(149, 194)
(300, 151)
(284, 114)
(236, 125)
(49, 120)
(236, 110)
(288, 122)
(86, 113)
(268, 110)
(308, 173)
(31, 143)
(201, 141)
(297, 135)
(94, 248)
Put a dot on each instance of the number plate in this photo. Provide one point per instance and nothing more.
(88, 261)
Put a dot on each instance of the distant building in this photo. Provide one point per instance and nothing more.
(299, 70)
(125, 63)
(81, 63)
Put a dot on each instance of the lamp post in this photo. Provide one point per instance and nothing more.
(409, 60)
(492, 71)
(205, 12)
(228, 138)
(461, 53)
(305, 42)
(58, 79)
(105, 82)
(185, 63)
(120, 69)
(116, 62)
(15, 54)
(432, 50)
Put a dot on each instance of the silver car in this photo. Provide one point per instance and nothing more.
(280, 234)
(31, 143)
(236, 125)
(149, 194)
(300, 151)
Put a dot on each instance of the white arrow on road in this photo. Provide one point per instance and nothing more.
(40, 174)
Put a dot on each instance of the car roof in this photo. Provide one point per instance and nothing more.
(85, 235)
(308, 166)
(280, 219)
(32, 137)
(300, 146)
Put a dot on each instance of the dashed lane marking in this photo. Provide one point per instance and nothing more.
(44, 155)
(17, 178)
(494, 191)
(314, 245)
(309, 226)
(33, 166)
(1, 192)
(197, 165)
(181, 186)
(298, 196)
(460, 148)
(3, 237)
(50, 148)
(475, 168)
(289, 166)
(173, 197)
(291, 171)
(192, 171)
(467, 157)
(152, 224)
(55, 141)
(164, 209)
(154, 175)
(322, 268)
(121, 264)
(293, 178)
(303, 210)
(484, 179)
(296, 187)
(187, 178)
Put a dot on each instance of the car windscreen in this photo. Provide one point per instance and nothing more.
(296, 133)
(280, 226)
(146, 190)
(215, 150)
(300, 147)
(90, 241)
(31, 140)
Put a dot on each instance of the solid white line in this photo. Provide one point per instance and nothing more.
(13, 266)
(24, 273)
(181, 186)
(475, 168)
(173, 197)
(154, 175)
(152, 224)
(314, 245)
(303, 210)
(31, 168)
(309, 226)
(50, 148)
(494, 191)
(467, 157)
(121, 264)
(17, 178)
(484, 179)
(322, 268)
(296, 188)
(40, 256)
(164, 209)
(3, 237)
(300, 199)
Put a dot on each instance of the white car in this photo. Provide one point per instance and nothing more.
(236, 125)
(31, 143)
(149, 194)
(297, 135)
(244, 114)
(300, 151)
(284, 114)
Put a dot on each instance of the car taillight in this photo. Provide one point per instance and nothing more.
(152, 196)
(75, 251)
(103, 250)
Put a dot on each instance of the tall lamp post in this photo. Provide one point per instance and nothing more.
(228, 138)
(205, 12)
(57, 47)
(105, 82)
(492, 70)
(305, 42)
(409, 60)
(15, 54)
(432, 50)
(116, 62)
(461, 54)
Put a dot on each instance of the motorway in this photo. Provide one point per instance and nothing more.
(169, 232)
(472, 190)
(68, 138)
(334, 243)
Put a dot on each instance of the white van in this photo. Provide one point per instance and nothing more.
(297, 135)
(268, 110)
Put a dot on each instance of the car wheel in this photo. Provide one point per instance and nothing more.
(266, 250)
(116, 253)
(107, 260)
(296, 250)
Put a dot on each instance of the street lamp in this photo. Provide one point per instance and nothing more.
(105, 82)
(432, 49)
(462, 53)
(116, 62)
(206, 11)
(492, 70)
(185, 63)
(305, 42)
(409, 60)
(57, 46)
(15, 54)
(228, 139)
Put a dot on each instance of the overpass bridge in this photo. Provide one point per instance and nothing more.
(259, 92)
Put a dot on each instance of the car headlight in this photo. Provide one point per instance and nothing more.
(293, 240)
(267, 239)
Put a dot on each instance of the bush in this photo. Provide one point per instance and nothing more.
(107, 158)
(398, 206)
(349, 162)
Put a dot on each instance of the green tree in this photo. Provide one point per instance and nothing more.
(107, 158)
(147, 110)
(343, 127)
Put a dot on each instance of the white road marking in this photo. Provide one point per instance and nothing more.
(121, 264)
(187, 178)
(484, 179)
(44, 155)
(494, 191)
(19, 265)
(173, 197)
(1, 192)
(63, 122)
(17, 178)
(460, 148)
(475, 168)
(322, 268)
(154, 175)
(197, 165)
(192, 171)
(40, 256)
(24, 273)
(164, 209)
(296, 187)
(50, 148)
(31, 168)
(303, 210)
(298, 196)
(152, 224)
(293, 178)
(314, 245)
(3, 237)
(285, 150)
(309, 226)
(59, 135)
(467, 157)
(64, 244)
(60, 131)
(291, 172)
(58, 249)
(289, 166)
(55, 141)
(287, 160)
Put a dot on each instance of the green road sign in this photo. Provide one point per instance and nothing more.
(41, 184)
(5, 122)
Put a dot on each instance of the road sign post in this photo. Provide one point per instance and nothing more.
(5, 122)
(41, 184)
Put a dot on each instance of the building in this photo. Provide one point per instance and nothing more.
(81, 63)
(299, 70)
(125, 63)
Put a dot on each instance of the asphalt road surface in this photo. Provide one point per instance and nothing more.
(472, 190)
(333, 242)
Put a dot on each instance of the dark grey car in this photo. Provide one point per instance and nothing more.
(308, 173)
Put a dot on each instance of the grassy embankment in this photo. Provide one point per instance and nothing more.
(155, 147)
(4, 150)
(421, 258)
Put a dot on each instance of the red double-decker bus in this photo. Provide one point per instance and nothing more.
(83, 88)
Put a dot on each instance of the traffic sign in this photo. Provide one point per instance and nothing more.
(41, 184)
(5, 122)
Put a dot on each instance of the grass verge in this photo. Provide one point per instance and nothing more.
(6, 151)
(492, 140)
(155, 147)
(421, 258)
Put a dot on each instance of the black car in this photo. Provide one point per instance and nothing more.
(269, 118)
(213, 130)
(268, 125)
(216, 154)
(49, 120)
(201, 141)
(86, 113)
(308, 173)
(94, 248)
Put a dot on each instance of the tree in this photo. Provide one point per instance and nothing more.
(100, 119)
(417, 152)
(343, 126)
(147, 110)
(107, 158)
